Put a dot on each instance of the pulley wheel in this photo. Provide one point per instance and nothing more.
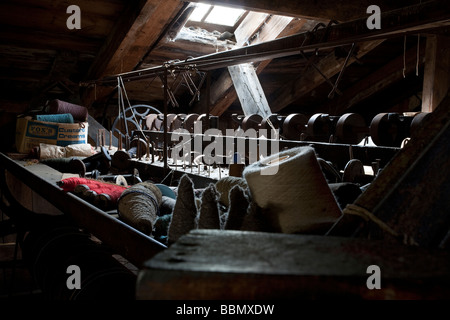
(140, 145)
(385, 130)
(319, 127)
(149, 120)
(353, 171)
(121, 160)
(294, 125)
(351, 128)
(178, 121)
(158, 122)
(170, 118)
(189, 122)
(418, 120)
(252, 121)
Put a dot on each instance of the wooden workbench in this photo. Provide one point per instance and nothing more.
(38, 181)
(238, 265)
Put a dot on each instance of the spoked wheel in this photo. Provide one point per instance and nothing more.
(133, 119)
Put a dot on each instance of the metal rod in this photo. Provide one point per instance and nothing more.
(166, 102)
(408, 20)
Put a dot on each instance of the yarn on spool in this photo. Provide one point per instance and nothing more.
(295, 195)
(58, 118)
(79, 113)
(138, 206)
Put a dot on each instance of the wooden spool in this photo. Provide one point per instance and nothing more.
(189, 122)
(138, 146)
(319, 128)
(353, 171)
(158, 122)
(418, 120)
(170, 118)
(149, 120)
(252, 121)
(177, 122)
(271, 123)
(351, 128)
(294, 125)
(385, 130)
(121, 160)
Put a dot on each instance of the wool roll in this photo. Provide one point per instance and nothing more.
(79, 113)
(138, 206)
(292, 192)
(239, 204)
(79, 150)
(225, 185)
(209, 217)
(185, 211)
(51, 151)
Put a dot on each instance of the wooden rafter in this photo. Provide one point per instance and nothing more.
(377, 81)
(140, 27)
(311, 79)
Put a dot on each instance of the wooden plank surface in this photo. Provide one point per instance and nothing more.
(133, 245)
(218, 264)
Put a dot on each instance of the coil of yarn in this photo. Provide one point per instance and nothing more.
(79, 113)
(295, 195)
(58, 118)
(138, 206)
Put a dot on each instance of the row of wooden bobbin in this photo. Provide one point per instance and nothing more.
(385, 129)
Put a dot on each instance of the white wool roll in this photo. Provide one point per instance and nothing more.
(292, 191)
(51, 151)
(79, 150)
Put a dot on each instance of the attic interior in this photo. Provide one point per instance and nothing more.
(309, 138)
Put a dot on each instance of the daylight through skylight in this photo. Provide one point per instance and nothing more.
(217, 15)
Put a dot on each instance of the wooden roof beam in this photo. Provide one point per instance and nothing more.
(382, 78)
(140, 27)
(311, 79)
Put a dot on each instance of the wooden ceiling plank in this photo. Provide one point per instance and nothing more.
(375, 82)
(311, 79)
(437, 72)
(140, 27)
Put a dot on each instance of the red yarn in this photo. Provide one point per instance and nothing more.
(111, 189)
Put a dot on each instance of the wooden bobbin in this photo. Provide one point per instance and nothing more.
(385, 130)
(353, 171)
(319, 127)
(294, 125)
(351, 128)
(204, 119)
(177, 122)
(149, 120)
(273, 122)
(138, 147)
(418, 120)
(158, 122)
(189, 122)
(252, 121)
(121, 160)
(170, 118)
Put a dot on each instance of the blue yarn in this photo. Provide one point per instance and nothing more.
(59, 118)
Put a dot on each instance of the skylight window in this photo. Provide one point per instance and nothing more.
(216, 14)
(199, 12)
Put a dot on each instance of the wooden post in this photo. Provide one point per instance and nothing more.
(249, 90)
(436, 80)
